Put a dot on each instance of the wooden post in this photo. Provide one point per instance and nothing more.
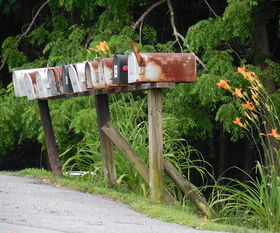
(107, 147)
(49, 138)
(155, 143)
(131, 156)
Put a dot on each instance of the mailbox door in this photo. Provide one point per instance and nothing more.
(43, 84)
(106, 70)
(120, 69)
(66, 82)
(133, 68)
(74, 78)
(31, 86)
(93, 75)
(80, 68)
(18, 83)
(53, 87)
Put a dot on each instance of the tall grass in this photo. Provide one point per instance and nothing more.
(129, 115)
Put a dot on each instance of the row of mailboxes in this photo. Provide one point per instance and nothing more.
(105, 73)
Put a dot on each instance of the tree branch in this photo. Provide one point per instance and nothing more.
(173, 23)
(28, 29)
(178, 35)
(34, 18)
(142, 17)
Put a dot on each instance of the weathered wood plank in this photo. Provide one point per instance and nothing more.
(117, 89)
(126, 150)
(107, 147)
(131, 156)
(155, 143)
(50, 138)
(187, 188)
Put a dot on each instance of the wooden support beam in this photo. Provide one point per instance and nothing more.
(107, 147)
(131, 156)
(187, 188)
(155, 143)
(50, 138)
(184, 185)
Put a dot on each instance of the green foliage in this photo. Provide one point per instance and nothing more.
(16, 127)
(256, 203)
(11, 53)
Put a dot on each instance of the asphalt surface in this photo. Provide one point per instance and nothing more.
(31, 206)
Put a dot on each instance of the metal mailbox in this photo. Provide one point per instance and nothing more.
(94, 79)
(19, 82)
(31, 86)
(66, 82)
(74, 78)
(80, 68)
(120, 70)
(43, 86)
(106, 68)
(161, 67)
(55, 80)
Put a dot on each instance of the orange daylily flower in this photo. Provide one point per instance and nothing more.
(238, 92)
(274, 134)
(249, 105)
(101, 48)
(242, 70)
(223, 84)
(238, 122)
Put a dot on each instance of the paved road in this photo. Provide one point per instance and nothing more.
(31, 206)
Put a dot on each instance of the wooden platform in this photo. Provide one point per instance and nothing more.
(117, 89)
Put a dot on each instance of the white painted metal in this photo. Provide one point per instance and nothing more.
(133, 68)
(93, 76)
(43, 85)
(31, 87)
(80, 68)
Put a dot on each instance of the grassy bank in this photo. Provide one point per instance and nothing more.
(186, 215)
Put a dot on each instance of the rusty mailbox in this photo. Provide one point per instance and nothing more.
(19, 82)
(66, 82)
(106, 71)
(120, 69)
(94, 79)
(77, 76)
(161, 67)
(55, 80)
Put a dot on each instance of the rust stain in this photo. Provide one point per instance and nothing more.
(58, 75)
(33, 78)
(169, 67)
